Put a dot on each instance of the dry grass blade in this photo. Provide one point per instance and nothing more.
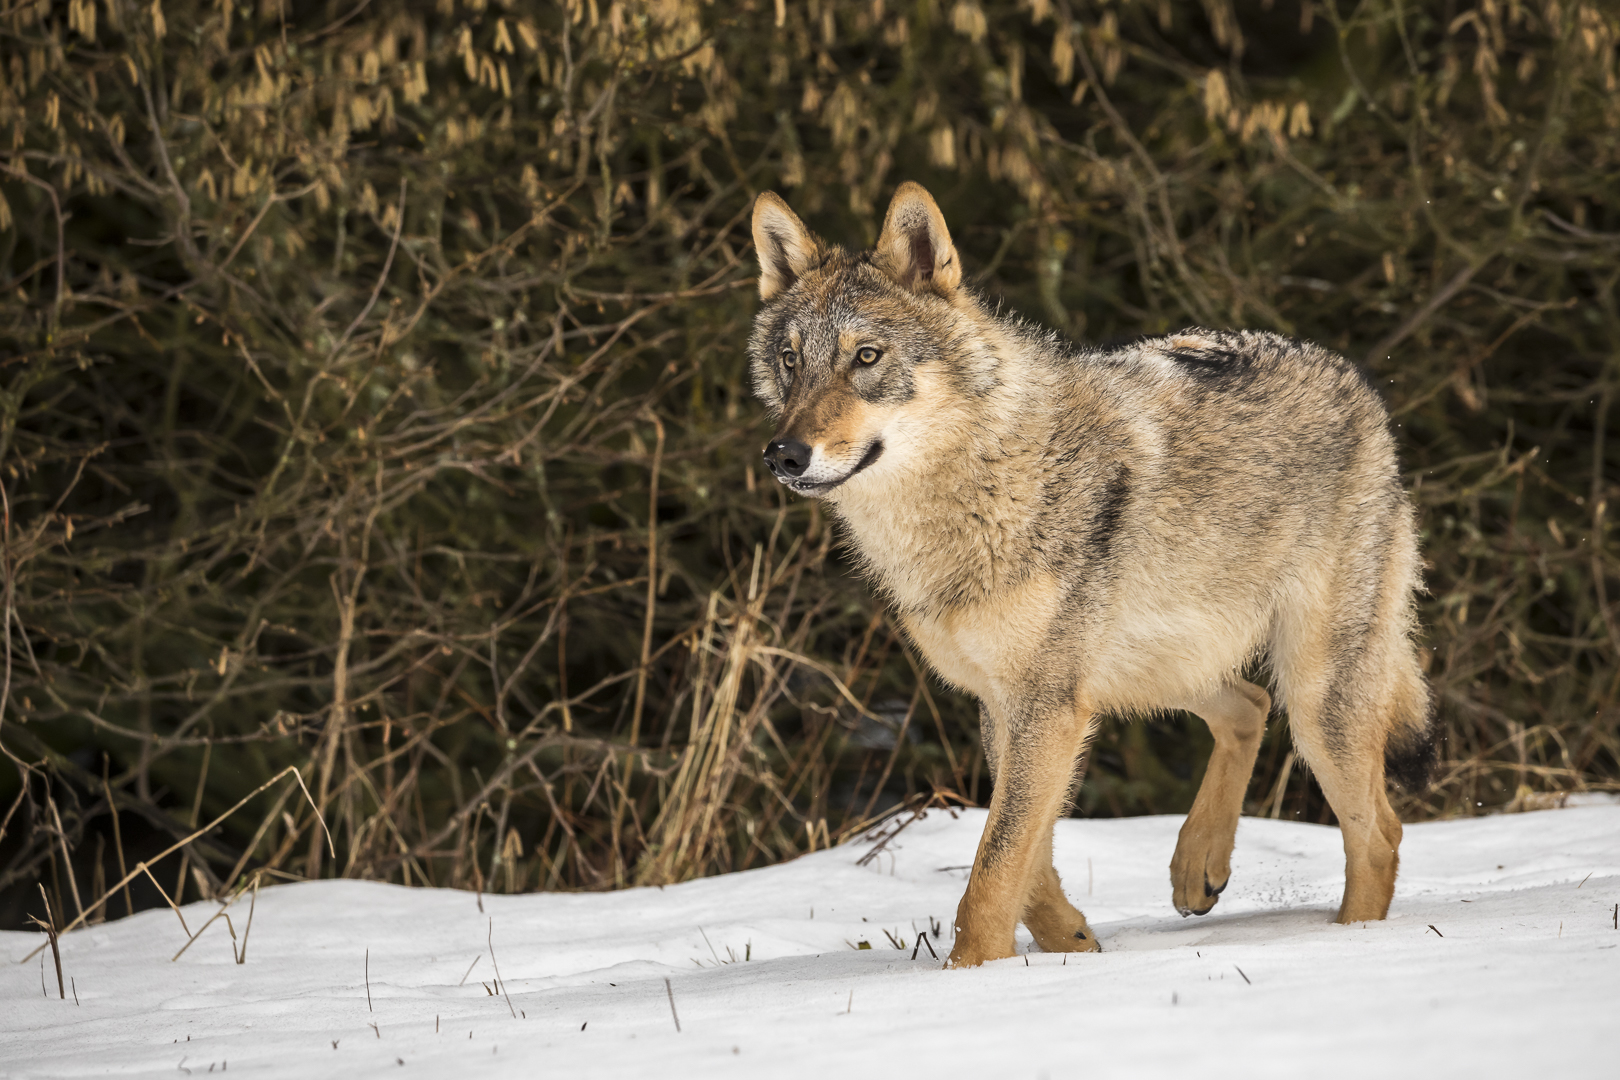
(253, 903)
(670, 992)
(142, 868)
(48, 924)
(224, 905)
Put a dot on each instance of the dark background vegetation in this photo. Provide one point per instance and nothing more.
(373, 401)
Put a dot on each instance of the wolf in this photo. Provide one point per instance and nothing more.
(1068, 533)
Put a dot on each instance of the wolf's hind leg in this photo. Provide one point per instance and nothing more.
(1236, 715)
(1343, 716)
(1352, 778)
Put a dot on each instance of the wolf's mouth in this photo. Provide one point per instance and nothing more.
(803, 487)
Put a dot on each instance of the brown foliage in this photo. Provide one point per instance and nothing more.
(374, 402)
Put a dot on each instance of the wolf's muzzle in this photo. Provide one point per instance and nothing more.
(787, 458)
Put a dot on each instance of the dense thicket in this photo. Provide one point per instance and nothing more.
(373, 400)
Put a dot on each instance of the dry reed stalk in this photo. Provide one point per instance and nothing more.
(253, 903)
(337, 716)
(142, 868)
(497, 966)
(646, 647)
(253, 844)
(681, 833)
(191, 822)
(118, 837)
(48, 924)
(67, 859)
(224, 905)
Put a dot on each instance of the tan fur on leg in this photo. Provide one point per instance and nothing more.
(1058, 925)
(1236, 715)
(1031, 789)
(1350, 774)
(1372, 839)
(987, 915)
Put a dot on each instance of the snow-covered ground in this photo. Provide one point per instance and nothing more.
(1500, 958)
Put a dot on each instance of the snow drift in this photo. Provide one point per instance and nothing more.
(1500, 956)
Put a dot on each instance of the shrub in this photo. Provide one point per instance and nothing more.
(374, 400)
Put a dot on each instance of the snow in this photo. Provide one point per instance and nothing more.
(1499, 957)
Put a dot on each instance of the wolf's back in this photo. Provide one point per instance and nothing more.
(1254, 488)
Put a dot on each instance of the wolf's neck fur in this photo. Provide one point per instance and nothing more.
(959, 519)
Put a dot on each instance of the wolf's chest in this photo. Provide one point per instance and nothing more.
(985, 646)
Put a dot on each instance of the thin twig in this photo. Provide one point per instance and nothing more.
(652, 587)
(677, 1016)
(61, 241)
(51, 934)
(224, 905)
(1411, 323)
(470, 966)
(382, 278)
(253, 902)
(67, 858)
(142, 868)
(497, 964)
(118, 836)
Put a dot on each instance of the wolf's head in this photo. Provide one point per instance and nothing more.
(857, 355)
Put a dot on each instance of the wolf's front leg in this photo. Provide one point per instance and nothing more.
(1013, 867)
(1236, 715)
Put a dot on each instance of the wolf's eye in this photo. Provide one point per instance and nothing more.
(867, 355)
(789, 358)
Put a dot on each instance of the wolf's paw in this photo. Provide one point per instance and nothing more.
(969, 951)
(1058, 926)
(1364, 905)
(1201, 905)
(1198, 877)
(1062, 930)
(1080, 940)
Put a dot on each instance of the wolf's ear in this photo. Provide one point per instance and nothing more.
(785, 247)
(915, 243)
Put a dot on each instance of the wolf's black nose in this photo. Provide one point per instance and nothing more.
(787, 457)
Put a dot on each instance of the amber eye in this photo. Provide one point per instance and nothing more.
(868, 355)
(789, 358)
